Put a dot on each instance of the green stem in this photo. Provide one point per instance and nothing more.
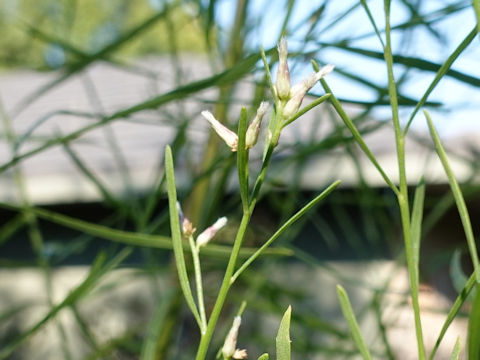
(402, 196)
(224, 288)
(242, 229)
(198, 283)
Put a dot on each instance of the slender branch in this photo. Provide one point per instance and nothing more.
(198, 284)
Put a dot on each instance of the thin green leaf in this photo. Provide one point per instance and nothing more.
(412, 62)
(87, 60)
(416, 223)
(97, 270)
(473, 345)
(136, 239)
(352, 322)
(268, 74)
(442, 71)
(284, 227)
(381, 91)
(283, 337)
(11, 227)
(263, 357)
(457, 194)
(452, 313)
(476, 7)
(356, 134)
(107, 195)
(242, 158)
(305, 109)
(149, 347)
(226, 77)
(372, 21)
(177, 237)
(456, 350)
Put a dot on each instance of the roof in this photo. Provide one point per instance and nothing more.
(104, 88)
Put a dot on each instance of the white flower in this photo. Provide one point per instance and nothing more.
(240, 354)
(254, 127)
(230, 138)
(298, 91)
(230, 344)
(210, 232)
(283, 74)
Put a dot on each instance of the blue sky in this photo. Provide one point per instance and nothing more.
(462, 100)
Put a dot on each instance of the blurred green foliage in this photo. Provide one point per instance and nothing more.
(88, 25)
(71, 35)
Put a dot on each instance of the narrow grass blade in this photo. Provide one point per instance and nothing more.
(352, 322)
(284, 227)
(416, 223)
(283, 337)
(85, 61)
(372, 21)
(149, 347)
(456, 350)
(268, 75)
(356, 134)
(242, 158)
(476, 6)
(138, 239)
(457, 194)
(474, 328)
(305, 109)
(314, 324)
(107, 195)
(442, 71)
(377, 308)
(98, 269)
(226, 77)
(11, 227)
(411, 62)
(452, 313)
(177, 237)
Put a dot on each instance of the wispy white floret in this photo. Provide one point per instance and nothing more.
(210, 232)
(230, 344)
(298, 91)
(230, 138)
(283, 74)
(254, 127)
(187, 226)
(240, 354)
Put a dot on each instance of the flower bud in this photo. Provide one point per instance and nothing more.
(187, 226)
(210, 232)
(283, 74)
(230, 138)
(230, 344)
(240, 354)
(298, 91)
(254, 127)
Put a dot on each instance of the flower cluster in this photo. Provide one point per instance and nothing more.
(290, 98)
(288, 101)
(229, 349)
(230, 137)
(206, 235)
